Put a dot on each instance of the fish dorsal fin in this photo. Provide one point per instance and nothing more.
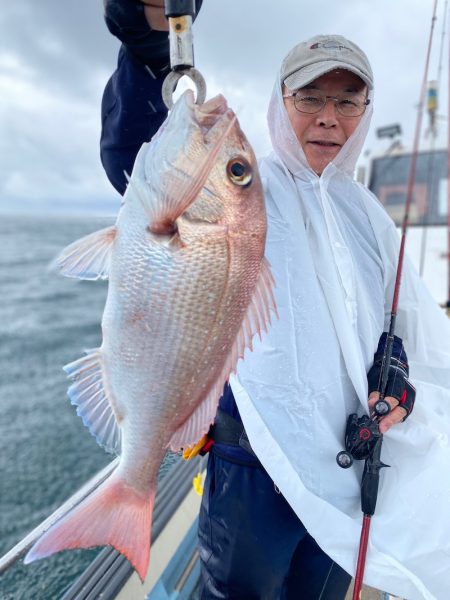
(89, 257)
(256, 320)
(88, 394)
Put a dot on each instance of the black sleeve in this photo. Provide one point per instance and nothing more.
(126, 20)
(132, 112)
(132, 106)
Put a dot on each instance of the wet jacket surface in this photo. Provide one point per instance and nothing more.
(312, 240)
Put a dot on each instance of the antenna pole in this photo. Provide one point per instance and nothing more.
(448, 196)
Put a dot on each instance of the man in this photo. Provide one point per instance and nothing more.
(334, 290)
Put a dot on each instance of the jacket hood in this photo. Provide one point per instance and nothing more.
(288, 148)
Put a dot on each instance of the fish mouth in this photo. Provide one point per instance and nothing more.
(204, 116)
(212, 108)
(216, 122)
(210, 113)
(210, 118)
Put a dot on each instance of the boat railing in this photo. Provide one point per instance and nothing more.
(109, 571)
(22, 547)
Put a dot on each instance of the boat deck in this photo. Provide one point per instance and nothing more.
(175, 571)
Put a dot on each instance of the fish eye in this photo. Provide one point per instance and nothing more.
(239, 171)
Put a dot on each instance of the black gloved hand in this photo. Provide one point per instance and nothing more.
(398, 386)
(126, 20)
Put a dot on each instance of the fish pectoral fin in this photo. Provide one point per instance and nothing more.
(256, 320)
(89, 257)
(89, 395)
(258, 317)
(199, 422)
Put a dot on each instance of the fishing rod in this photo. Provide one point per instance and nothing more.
(363, 437)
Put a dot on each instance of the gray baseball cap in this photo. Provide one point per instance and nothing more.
(321, 54)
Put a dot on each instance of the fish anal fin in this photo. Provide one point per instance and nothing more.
(256, 320)
(89, 257)
(88, 393)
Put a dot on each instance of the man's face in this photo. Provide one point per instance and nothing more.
(323, 134)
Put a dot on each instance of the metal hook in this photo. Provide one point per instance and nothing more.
(171, 81)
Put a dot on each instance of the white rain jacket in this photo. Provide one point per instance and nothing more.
(333, 252)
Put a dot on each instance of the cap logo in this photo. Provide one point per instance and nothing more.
(329, 46)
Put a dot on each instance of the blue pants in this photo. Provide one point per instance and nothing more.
(253, 546)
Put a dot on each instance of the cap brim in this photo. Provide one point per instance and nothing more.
(309, 73)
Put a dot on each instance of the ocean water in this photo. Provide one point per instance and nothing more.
(46, 453)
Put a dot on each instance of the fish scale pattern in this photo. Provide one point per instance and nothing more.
(188, 290)
(192, 301)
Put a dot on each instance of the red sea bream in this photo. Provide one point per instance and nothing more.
(188, 289)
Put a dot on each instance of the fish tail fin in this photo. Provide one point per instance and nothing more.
(115, 514)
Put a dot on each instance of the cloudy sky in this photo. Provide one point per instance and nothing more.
(56, 57)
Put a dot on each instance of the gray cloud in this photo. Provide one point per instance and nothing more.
(55, 58)
(64, 43)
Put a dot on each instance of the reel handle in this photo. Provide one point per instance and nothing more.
(382, 408)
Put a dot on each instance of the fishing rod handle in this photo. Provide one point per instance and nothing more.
(371, 479)
(369, 491)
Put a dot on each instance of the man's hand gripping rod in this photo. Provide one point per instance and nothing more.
(180, 14)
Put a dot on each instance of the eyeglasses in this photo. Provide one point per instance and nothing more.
(348, 105)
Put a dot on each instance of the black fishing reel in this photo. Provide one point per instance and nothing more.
(362, 435)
